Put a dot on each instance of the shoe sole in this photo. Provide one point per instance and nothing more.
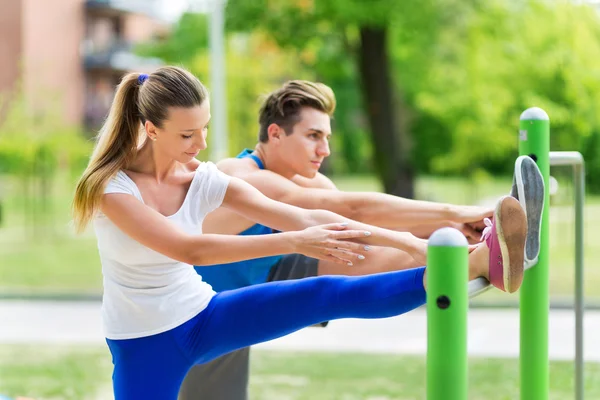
(531, 197)
(511, 228)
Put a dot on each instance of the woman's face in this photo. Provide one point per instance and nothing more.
(183, 134)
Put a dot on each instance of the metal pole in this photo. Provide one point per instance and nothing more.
(579, 175)
(478, 286)
(447, 306)
(575, 159)
(217, 88)
(534, 140)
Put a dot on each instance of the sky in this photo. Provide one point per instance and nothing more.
(172, 9)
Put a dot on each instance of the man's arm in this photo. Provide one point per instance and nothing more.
(373, 208)
(320, 181)
(254, 205)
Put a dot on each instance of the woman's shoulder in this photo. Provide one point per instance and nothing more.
(202, 167)
(120, 182)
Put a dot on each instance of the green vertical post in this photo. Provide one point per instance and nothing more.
(534, 141)
(447, 306)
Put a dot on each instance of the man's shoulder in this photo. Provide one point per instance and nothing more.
(237, 166)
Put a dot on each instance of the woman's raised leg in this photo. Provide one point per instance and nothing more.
(243, 317)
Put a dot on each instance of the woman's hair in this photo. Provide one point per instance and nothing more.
(138, 98)
(283, 106)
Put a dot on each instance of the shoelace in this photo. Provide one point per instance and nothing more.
(487, 231)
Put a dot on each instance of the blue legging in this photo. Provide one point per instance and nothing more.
(154, 367)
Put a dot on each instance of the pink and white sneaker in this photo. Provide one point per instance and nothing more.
(505, 238)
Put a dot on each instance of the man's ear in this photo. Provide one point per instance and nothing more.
(275, 132)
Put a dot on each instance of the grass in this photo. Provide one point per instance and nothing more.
(83, 373)
(51, 259)
(46, 256)
(54, 372)
(387, 377)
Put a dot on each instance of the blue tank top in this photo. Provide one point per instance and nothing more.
(243, 273)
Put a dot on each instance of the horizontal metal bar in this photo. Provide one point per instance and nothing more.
(478, 286)
(481, 285)
(565, 158)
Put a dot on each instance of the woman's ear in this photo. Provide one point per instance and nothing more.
(150, 130)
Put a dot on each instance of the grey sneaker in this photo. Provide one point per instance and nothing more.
(528, 188)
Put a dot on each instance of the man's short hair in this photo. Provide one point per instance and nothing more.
(283, 106)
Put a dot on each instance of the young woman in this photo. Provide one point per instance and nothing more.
(147, 196)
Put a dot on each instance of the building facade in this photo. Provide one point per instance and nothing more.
(66, 56)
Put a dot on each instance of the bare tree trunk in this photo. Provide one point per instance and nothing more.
(378, 94)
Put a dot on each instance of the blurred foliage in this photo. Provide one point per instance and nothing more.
(501, 59)
(34, 146)
(38, 143)
(188, 36)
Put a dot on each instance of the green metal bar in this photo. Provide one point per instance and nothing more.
(534, 140)
(447, 306)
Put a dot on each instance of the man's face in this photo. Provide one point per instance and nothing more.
(305, 149)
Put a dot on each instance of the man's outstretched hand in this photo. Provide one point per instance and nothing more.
(469, 220)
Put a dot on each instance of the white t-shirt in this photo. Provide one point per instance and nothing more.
(145, 292)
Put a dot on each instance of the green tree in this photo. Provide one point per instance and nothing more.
(502, 58)
(188, 37)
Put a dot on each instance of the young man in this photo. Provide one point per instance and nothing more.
(294, 136)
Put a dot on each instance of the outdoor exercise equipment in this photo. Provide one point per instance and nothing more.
(448, 287)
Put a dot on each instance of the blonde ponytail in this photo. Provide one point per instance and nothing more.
(115, 147)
